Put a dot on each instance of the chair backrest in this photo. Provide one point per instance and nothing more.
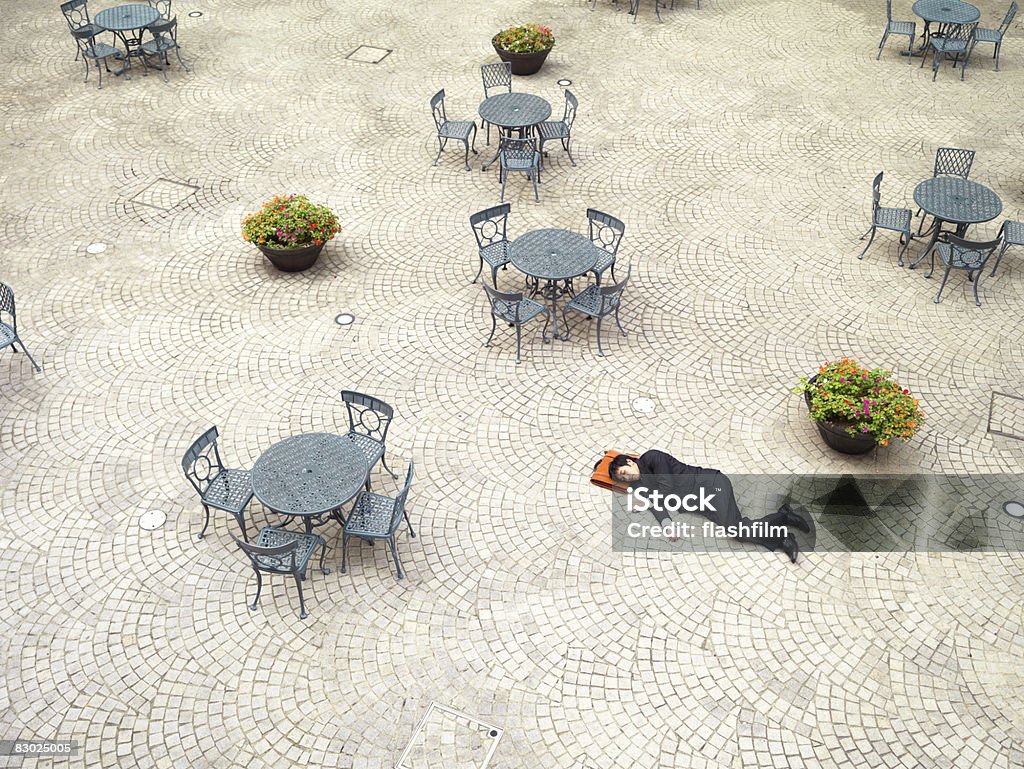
(876, 193)
(490, 225)
(437, 109)
(277, 559)
(165, 28)
(957, 33)
(368, 415)
(605, 231)
(7, 300)
(571, 105)
(399, 509)
(888, 10)
(505, 305)
(970, 254)
(202, 462)
(612, 295)
(952, 161)
(498, 76)
(163, 7)
(76, 12)
(1008, 18)
(518, 151)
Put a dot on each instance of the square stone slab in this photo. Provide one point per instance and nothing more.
(164, 194)
(368, 54)
(448, 739)
(1006, 415)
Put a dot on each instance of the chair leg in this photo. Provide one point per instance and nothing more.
(999, 258)
(619, 323)
(519, 330)
(977, 280)
(996, 54)
(302, 599)
(504, 178)
(881, 45)
(533, 178)
(872, 231)
(479, 272)
(944, 278)
(465, 158)
(440, 149)
(494, 325)
(323, 552)
(384, 462)
(241, 524)
(184, 66)
(910, 51)
(207, 523)
(24, 349)
(494, 276)
(344, 552)
(394, 554)
(904, 245)
(259, 588)
(565, 143)
(600, 350)
(409, 524)
(99, 70)
(936, 63)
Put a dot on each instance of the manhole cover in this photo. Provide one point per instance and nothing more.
(565, 82)
(643, 405)
(195, 14)
(96, 248)
(345, 319)
(1016, 509)
(152, 520)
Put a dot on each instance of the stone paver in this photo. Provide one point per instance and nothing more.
(738, 144)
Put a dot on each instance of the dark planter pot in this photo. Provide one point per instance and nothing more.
(837, 438)
(522, 63)
(292, 259)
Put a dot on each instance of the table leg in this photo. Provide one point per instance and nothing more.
(923, 47)
(936, 230)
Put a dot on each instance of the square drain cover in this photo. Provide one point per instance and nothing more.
(368, 54)
(1006, 415)
(164, 194)
(448, 739)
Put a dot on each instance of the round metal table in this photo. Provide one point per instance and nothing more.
(956, 201)
(945, 12)
(125, 19)
(555, 257)
(513, 112)
(309, 475)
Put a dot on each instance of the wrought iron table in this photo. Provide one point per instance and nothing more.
(555, 257)
(956, 201)
(125, 19)
(309, 476)
(943, 12)
(513, 112)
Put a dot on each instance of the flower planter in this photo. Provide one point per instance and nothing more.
(292, 259)
(837, 438)
(523, 63)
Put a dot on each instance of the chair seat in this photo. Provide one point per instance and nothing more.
(457, 129)
(902, 28)
(985, 35)
(604, 261)
(101, 51)
(371, 448)
(271, 537)
(961, 259)
(587, 301)
(91, 29)
(528, 310)
(496, 254)
(159, 45)
(554, 129)
(230, 491)
(6, 335)
(894, 219)
(370, 516)
(1013, 233)
(947, 45)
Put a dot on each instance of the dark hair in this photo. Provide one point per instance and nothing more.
(619, 461)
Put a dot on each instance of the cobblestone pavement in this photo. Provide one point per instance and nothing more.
(738, 143)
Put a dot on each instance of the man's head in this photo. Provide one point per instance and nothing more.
(624, 469)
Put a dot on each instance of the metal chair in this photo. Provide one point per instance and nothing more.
(369, 419)
(514, 309)
(606, 234)
(995, 36)
(375, 516)
(91, 50)
(278, 551)
(956, 40)
(163, 7)
(497, 76)
(895, 219)
(949, 161)
(9, 332)
(598, 302)
(518, 155)
(1012, 234)
(490, 227)
(908, 28)
(560, 129)
(450, 129)
(959, 254)
(219, 487)
(76, 13)
(165, 39)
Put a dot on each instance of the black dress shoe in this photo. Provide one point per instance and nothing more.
(788, 517)
(789, 547)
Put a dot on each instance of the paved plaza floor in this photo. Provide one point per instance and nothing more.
(738, 143)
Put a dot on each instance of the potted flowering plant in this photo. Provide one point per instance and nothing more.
(525, 47)
(290, 231)
(857, 409)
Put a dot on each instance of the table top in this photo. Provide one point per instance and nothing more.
(553, 254)
(126, 17)
(309, 474)
(946, 11)
(514, 110)
(957, 200)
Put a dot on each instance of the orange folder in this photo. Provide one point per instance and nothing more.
(600, 475)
